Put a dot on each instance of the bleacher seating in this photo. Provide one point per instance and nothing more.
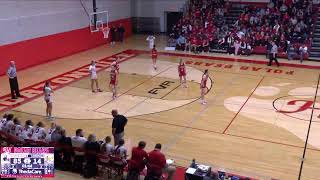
(285, 22)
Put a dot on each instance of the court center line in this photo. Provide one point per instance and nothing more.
(133, 87)
(225, 130)
(195, 117)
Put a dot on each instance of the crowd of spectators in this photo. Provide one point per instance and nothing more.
(202, 24)
(83, 155)
(288, 23)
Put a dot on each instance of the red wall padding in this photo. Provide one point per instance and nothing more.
(40, 50)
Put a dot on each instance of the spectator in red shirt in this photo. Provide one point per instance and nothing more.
(156, 163)
(138, 159)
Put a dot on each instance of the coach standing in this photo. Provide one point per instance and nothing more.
(121, 32)
(273, 54)
(14, 86)
(118, 124)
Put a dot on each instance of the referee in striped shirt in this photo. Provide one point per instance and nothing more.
(14, 86)
(273, 54)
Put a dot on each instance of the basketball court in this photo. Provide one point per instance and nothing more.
(255, 122)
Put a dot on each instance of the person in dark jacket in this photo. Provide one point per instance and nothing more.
(269, 46)
(121, 32)
(113, 32)
(91, 147)
(66, 151)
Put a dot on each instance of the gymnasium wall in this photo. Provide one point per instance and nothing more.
(36, 31)
(156, 9)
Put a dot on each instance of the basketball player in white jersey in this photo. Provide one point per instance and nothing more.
(3, 120)
(39, 133)
(16, 128)
(203, 86)
(50, 131)
(48, 99)
(27, 130)
(94, 77)
(6, 126)
(151, 39)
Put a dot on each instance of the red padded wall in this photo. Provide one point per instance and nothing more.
(43, 49)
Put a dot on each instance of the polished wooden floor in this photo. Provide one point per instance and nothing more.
(239, 130)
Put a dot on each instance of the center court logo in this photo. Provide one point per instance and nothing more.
(294, 107)
(163, 85)
(133, 101)
(291, 112)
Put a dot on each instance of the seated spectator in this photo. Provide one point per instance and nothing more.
(56, 134)
(243, 47)
(172, 42)
(16, 129)
(27, 130)
(248, 50)
(77, 142)
(188, 45)
(66, 150)
(303, 50)
(6, 126)
(181, 43)
(56, 137)
(205, 45)
(156, 163)
(39, 133)
(138, 159)
(283, 8)
(91, 147)
(120, 154)
(193, 44)
(291, 52)
(222, 43)
(3, 120)
(106, 147)
(236, 47)
(50, 131)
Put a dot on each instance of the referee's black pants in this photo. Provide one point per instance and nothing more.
(273, 58)
(14, 87)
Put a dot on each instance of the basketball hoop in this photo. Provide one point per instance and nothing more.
(105, 32)
(98, 20)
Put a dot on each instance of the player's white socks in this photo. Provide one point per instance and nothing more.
(203, 102)
(114, 97)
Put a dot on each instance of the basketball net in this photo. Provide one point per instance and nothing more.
(105, 32)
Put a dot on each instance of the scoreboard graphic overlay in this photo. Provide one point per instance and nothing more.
(27, 162)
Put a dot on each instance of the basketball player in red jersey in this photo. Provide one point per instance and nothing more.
(203, 86)
(154, 55)
(113, 82)
(182, 73)
(115, 63)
